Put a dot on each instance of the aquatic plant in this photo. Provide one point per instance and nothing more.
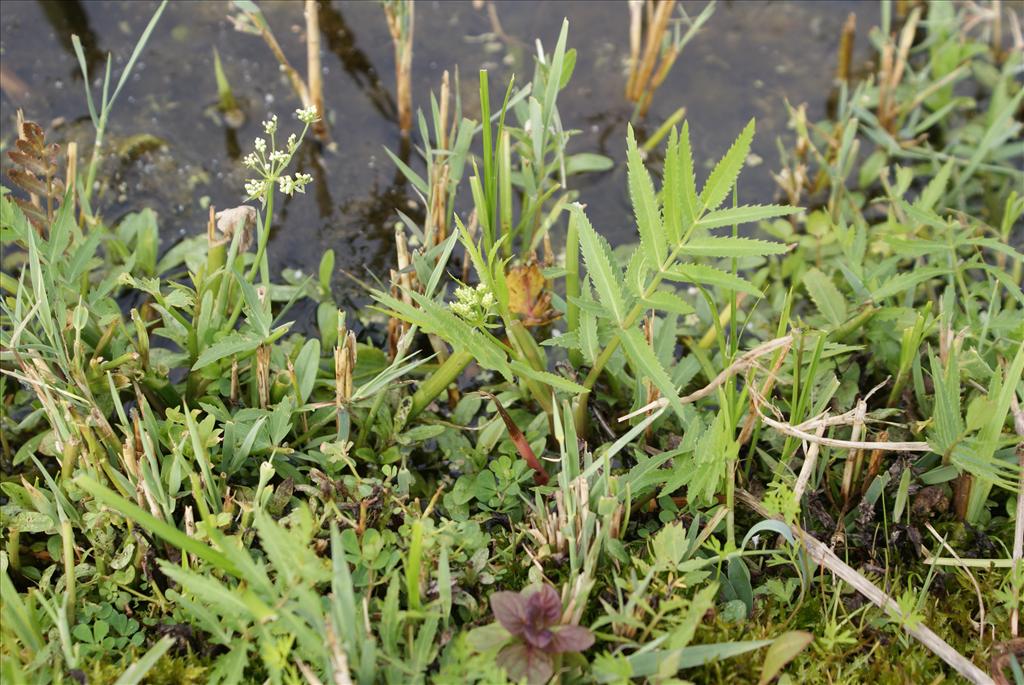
(761, 442)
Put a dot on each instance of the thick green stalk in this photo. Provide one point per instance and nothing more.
(261, 250)
(438, 381)
(528, 350)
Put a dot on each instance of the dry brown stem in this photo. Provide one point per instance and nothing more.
(822, 555)
(401, 26)
(846, 47)
(313, 70)
(640, 86)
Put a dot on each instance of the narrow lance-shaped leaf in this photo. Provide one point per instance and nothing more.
(723, 176)
(727, 246)
(645, 204)
(600, 267)
(646, 364)
(744, 215)
(709, 275)
(687, 182)
(671, 191)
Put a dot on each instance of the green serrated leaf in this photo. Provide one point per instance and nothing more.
(646, 365)
(709, 275)
(727, 246)
(724, 175)
(826, 296)
(665, 301)
(672, 191)
(645, 204)
(601, 267)
(744, 215)
(907, 281)
(687, 182)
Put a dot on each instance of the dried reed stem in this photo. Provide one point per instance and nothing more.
(72, 173)
(846, 47)
(636, 28)
(401, 16)
(314, 70)
(851, 466)
(796, 432)
(652, 46)
(810, 460)
(821, 554)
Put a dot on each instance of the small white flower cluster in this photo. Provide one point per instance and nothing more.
(271, 166)
(308, 115)
(475, 305)
(288, 185)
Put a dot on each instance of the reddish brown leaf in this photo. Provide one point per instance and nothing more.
(522, 661)
(571, 639)
(510, 611)
(519, 440)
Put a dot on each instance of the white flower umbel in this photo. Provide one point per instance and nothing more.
(474, 305)
(308, 115)
(269, 162)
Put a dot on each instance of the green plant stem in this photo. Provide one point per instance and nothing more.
(261, 250)
(68, 549)
(580, 411)
(572, 283)
(438, 381)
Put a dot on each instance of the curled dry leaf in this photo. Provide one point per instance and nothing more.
(229, 221)
(527, 297)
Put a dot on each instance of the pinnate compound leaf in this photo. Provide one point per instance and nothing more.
(826, 296)
(601, 268)
(645, 204)
(724, 175)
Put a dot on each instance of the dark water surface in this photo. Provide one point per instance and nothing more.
(749, 57)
